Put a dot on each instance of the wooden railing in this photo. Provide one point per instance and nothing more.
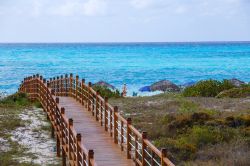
(72, 147)
(135, 144)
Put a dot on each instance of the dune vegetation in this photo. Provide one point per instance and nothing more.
(195, 130)
(214, 88)
(18, 132)
(206, 124)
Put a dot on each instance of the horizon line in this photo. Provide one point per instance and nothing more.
(126, 42)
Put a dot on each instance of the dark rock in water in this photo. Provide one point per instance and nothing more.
(104, 84)
(236, 82)
(164, 85)
(188, 84)
(145, 89)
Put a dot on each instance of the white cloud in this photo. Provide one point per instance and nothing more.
(36, 8)
(181, 9)
(65, 9)
(141, 4)
(80, 7)
(198, 7)
(94, 7)
(123, 18)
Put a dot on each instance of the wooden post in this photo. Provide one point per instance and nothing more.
(69, 136)
(76, 87)
(57, 86)
(50, 83)
(89, 100)
(110, 123)
(122, 133)
(47, 97)
(34, 89)
(144, 136)
(30, 84)
(163, 155)
(71, 84)
(97, 106)
(101, 113)
(53, 92)
(63, 157)
(62, 127)
(62, 139)
(79, 92)
(58, 146)
(66, 85)
(136, 147)
(61, 86)
(78, 149)
(152, 158)
(57, 100)
(105, 114)
(37, 89)
(129, 122)
(115, 125)
(82, 91)
(90, 156)
(52, 131)
(54, 84)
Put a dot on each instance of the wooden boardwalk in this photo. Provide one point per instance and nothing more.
(94, 136)
(88, 130)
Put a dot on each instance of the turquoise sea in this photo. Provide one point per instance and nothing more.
(136, 64)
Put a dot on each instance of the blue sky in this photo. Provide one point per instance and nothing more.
(124, 20)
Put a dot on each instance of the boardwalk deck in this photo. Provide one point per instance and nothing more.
(88, 130)
(94, 137)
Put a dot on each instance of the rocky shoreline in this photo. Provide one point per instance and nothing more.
(167, 86)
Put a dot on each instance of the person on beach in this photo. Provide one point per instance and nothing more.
(124, 90)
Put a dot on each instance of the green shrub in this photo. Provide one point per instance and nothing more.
(106, 92)
(232, 121)
(202, 135)
(187, 107)
(37, 104)
(17, 99)
(200, 117)
(178, 150)
(235, 92)
(207, 88)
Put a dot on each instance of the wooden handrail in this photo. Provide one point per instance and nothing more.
(136, 144)
(37, 89)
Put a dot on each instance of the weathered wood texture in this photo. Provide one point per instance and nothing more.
(89, 131)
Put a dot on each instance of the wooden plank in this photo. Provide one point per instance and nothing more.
(93, 135)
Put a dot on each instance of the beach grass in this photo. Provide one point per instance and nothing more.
(192, 127)
(11, 151)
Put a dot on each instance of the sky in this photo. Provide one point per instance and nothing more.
(124, 20)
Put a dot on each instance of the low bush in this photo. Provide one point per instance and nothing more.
(235, 92)
(106, 92)
(202, 135)
(207, 88)
(238, 121)
(182, 122)
(184, 146)
(17, 99)
(177, 149)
